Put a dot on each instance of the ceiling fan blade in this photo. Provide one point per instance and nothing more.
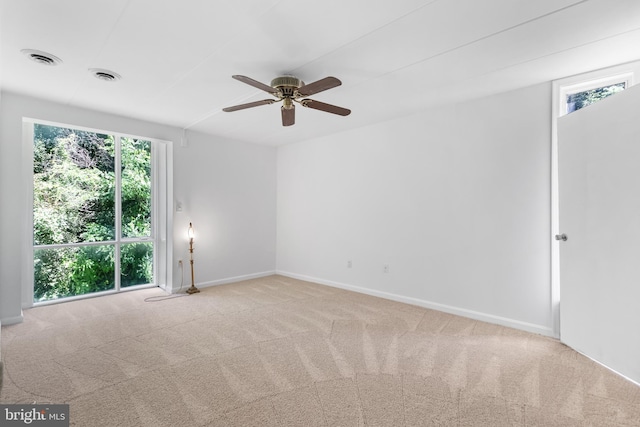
(317, 105)
(249, 105)
(319, 86)
(288, 115)
(255, 83)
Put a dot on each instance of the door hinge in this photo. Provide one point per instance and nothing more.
(562, 237)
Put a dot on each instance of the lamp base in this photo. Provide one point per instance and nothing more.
(193, 290)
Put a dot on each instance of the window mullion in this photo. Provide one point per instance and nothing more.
(118, 209)
(154, 209)
(75, 245)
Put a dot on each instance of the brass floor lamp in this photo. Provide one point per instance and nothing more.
(192, 289)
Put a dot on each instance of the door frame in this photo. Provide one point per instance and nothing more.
(560, 88)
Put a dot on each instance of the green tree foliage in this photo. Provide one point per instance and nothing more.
(136, 188)
(73, 191)
(580, 100)
(136, 264)
(74, 201)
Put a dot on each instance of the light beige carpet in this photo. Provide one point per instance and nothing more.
(282, 352)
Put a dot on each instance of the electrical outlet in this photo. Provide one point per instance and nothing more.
(386, 268)
(349, 264)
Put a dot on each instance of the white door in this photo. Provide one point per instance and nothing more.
(599, 200)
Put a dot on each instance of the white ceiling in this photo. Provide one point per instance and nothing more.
(176, 57)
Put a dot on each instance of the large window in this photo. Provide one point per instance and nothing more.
(94, 212)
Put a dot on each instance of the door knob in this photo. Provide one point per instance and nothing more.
(562, 237)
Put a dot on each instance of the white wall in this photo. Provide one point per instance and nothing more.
(227, 188)
(455, 199)
(228, 191)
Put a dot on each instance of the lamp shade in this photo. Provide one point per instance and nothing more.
(190, 232)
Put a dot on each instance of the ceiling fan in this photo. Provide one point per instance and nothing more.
(290, 89)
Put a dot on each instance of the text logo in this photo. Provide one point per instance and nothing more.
(34, 415)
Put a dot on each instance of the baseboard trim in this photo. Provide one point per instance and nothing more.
(607, 367)
(476, 315)
(6, 321)
(230, 280)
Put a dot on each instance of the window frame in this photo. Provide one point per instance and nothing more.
(570, 88)
(161, 215)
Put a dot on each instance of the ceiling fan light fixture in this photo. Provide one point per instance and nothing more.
(104, 75)
(287, 104)
(41, 57)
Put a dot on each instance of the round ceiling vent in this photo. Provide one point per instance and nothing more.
(40, 57)
(105, 75)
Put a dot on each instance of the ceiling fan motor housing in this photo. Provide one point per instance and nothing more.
(286, 82)
(287, 85)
